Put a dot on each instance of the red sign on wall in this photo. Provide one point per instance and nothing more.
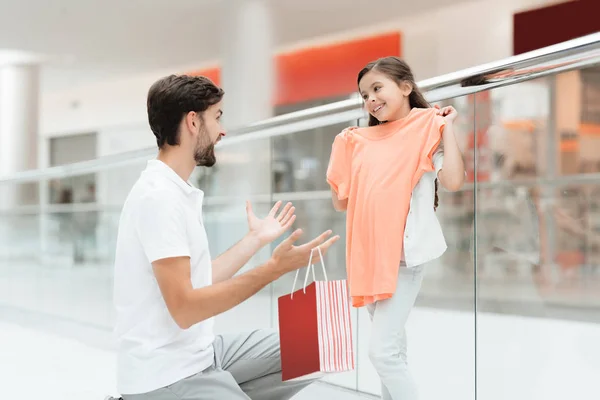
(554, 24)
(323, 71)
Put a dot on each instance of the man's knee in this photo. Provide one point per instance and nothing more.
(266, 345)
(269, 340)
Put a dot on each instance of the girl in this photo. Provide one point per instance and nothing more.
(385, 177)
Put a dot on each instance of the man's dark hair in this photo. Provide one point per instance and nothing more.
(172, 97)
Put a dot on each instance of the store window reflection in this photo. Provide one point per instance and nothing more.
(538, 208)
(300, 160)
(537, 230)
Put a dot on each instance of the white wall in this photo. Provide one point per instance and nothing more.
(114, 104)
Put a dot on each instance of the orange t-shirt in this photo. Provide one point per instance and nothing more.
(376, 169)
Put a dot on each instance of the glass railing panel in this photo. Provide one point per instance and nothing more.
(226, 223)
(299, 169)
(19, 246)
(300, 160)
(538, 240)
(242, 172)
(58, 252)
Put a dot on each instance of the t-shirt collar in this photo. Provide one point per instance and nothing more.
(168, 172)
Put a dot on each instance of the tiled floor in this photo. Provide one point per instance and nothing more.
(519, 358)
(43, 366)
(325, 391)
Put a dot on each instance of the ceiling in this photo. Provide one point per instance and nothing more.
(95, 39)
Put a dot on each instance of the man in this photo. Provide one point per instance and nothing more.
(167, 290)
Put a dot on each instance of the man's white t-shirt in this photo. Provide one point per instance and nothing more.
(161, 218)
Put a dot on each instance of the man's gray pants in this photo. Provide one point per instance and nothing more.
(246, 366)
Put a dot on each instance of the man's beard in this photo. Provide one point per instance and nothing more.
(205, 155)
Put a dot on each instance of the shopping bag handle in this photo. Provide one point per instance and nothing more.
(308, 269)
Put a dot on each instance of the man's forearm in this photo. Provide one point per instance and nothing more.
(203, 303)
(229, 263)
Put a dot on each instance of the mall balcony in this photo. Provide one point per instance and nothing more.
(510, 311)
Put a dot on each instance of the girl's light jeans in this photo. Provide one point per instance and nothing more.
(387, 350)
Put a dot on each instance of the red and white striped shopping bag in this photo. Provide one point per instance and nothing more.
(315, 329)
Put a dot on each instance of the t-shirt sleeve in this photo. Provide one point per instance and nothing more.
(339, 169)
(439, 123)
(431, 142)
(161, 227)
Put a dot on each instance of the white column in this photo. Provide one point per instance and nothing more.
(19, 87)
(247, 61)
(19, 98)
(248, 81)
(244, 171)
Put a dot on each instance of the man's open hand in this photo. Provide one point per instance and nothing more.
(273, 225)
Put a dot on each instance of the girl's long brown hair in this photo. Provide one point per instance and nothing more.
(399, 71)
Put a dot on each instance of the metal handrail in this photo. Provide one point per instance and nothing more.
(587, 180)
(573, 54)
